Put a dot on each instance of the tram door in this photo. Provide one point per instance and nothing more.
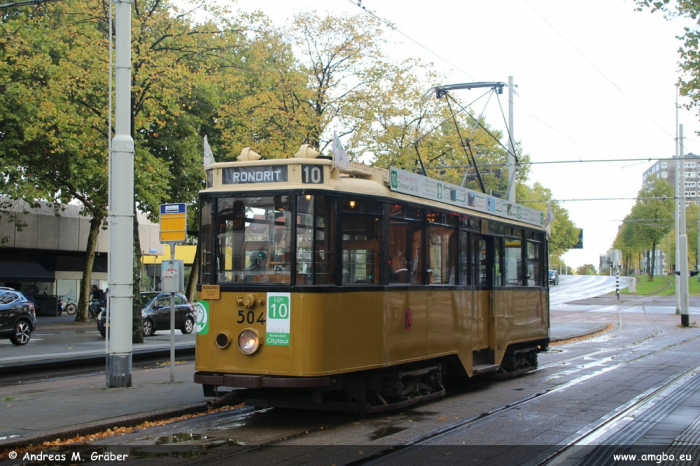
(482, 273)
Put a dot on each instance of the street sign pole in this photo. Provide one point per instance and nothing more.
(173, 230)
(172, 323)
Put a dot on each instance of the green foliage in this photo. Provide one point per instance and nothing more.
(649, 222)
(564, 234)
(586, 269)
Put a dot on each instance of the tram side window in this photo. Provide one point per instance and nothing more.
(253, 240)
(205, 242)
(314, 241)
(323, 236)
(405, 247)
(361, 244)
(442, 267)
(464, 275)
(305, 233)
(498, 267)
(534, 267)
(513, 259)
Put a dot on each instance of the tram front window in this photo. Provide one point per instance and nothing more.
(253, 240)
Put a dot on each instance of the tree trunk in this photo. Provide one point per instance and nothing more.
(137, 321)
(83, 300)
(653, 261)
(194, 276)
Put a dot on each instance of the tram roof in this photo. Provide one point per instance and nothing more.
(393, 183)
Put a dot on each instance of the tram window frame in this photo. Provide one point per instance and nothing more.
(318, 267)
(405, 262)
(517, 254)
(238, 230)
(207, 207)
(372, 212)
(535, 266)
(442, 238)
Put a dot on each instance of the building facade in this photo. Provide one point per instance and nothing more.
(666, 169)
(42, 251)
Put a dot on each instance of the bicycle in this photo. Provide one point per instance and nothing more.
(71, 308)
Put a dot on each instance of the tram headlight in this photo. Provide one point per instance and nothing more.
(249, 341)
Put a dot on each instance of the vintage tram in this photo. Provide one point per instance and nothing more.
(361, 288)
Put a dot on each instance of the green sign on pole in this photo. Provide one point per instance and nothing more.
(278, 319)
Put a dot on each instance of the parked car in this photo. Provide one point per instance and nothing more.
(17, 317)
(553, 277)
(155, 312)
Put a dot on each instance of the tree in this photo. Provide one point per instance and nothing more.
(689, 81)
(53, 78)
(564, 234)
(586, 269)
(651, 218)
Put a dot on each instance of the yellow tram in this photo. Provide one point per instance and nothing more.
(361, 288)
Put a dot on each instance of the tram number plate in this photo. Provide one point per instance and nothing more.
(278, 319)
(312, 175)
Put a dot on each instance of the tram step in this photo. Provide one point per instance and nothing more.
(484, 368)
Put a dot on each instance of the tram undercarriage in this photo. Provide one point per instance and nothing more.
(363, 392)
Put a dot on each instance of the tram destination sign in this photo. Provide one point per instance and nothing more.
(406, 182)
(248, 175)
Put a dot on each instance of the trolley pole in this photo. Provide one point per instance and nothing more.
(511, 145)
(617, 282)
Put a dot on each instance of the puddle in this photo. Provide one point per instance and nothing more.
(387, 431)
(177, 438)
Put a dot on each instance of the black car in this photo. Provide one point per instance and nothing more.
(17, 317)
(155, 312)
(553, 277)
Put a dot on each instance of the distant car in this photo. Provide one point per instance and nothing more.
(156, 313)
(553, 277)
(17, 317)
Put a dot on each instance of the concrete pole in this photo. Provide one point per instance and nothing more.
(683, 247)
(679, 170)
(121, 211)
(511, 139)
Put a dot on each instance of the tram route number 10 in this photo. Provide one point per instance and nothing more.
(278, 319)
(312, 175)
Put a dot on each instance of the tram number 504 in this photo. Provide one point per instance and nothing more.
(312, 175)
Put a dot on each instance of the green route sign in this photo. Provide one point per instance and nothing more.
(278, 319)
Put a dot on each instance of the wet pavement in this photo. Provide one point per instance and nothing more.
(64, 407)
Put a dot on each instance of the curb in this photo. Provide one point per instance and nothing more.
(44, 364)
(89, 428)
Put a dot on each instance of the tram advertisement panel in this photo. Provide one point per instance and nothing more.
(406, 182)
(278, 319)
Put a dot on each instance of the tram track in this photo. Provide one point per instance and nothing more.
(589, 434)
(493, 413)
(385, 453)
(656, 331)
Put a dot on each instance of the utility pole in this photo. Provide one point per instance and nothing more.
(683, 247)
(511, 155)
(679, 171)
(121, 211)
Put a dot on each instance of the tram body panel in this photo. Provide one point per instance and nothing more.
(444, 315)
(481, 324)
(360, 335)
(405, 344)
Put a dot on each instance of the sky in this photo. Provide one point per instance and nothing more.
(595, 82)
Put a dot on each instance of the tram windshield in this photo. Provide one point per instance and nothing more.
(253, 240)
